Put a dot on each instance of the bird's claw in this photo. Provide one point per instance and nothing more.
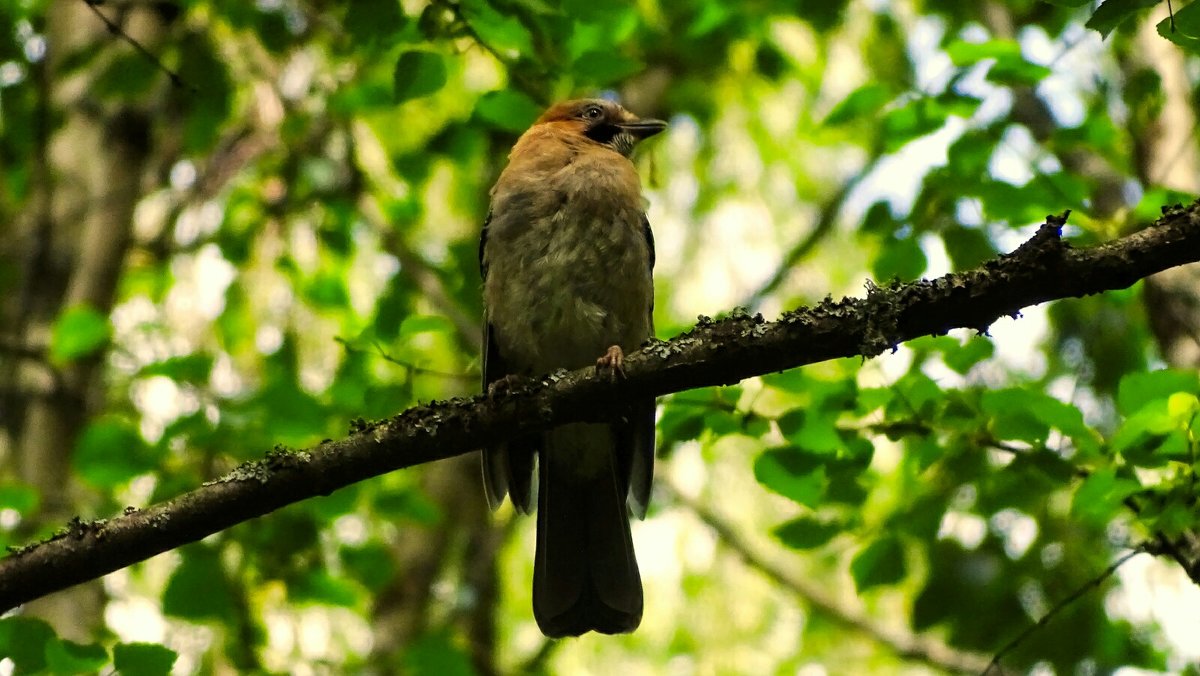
(613, 359)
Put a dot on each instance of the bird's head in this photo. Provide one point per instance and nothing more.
(602, 121)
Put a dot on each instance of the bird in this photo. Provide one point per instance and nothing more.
(567, 256)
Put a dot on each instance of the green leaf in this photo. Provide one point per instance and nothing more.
(837, 394)
(1058, 471)
(881, 563)
(371, 564)
(605, 66)
(681, 420)
(409, 504)
(811, 430)
(143, 659)
(1099, 497)
(1112, 13)
(923, 116)
(128, 76)
(373, 21)
(1061, 416)
(1028, 415)
(1175, 519)
(967, 247)
(1150, 206)
(69, 657)
(963, 53)
(900, 258)
(209, 107)
(712, 15)
(872, 398)
(78, 332)
(719, 423)
(863, 103)
(111, 451)
(595, 11)
(295, 416)
(971, 154)
(25, 640)
(390, 309)
(338, 503)
(1183, 407)
(918, 396)
(791, 382)
(1017, 72)
(754, 425)
(822, 15)
(318, 586)
(770, 61)
(498, 31)
(507, 109)
(20, 497)
(806, 532)
(1009, 66)
(1136, 390)
(190, 368)
(272, 30)
(414, 325)
(923, 451)
(418, 73)
(437, 653)
(198, 588)
(1143, 432)
(793, 475)
(327, 290)
(880, 220)
(975, 349)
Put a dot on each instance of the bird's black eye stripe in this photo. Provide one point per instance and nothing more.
(592, 113)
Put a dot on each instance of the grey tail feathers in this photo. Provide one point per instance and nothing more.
(585, 574)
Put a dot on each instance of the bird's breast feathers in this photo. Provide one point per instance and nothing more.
(568, 261)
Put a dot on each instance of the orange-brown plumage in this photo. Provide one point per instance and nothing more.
(567, 256)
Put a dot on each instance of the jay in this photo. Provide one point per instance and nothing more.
(566, 256)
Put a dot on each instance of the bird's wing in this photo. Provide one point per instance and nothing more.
(641, 421)
(508, 467)
(494, 367)
(495, 471)
(650, 245)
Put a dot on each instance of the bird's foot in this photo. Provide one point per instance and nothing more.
(613, 360)
(506, 384)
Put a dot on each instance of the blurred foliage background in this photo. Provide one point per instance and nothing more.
(260, 223)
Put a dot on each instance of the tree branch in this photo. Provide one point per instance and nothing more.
(826, 220)
(119, 32)
(1062, 605)
(817, 596)
(713, 353)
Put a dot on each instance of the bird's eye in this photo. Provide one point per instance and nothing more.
(593, 113)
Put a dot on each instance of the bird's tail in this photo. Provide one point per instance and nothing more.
(585, 574)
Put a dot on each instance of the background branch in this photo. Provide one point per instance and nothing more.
(910, 646)
(994, 664)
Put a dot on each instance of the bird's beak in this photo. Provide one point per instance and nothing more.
(642, 129)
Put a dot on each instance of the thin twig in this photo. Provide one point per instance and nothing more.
(1062, 605)
(537, 662)
(412, 368)
(423, 275)
(119, 32)
(909, 646)
(526, 84)
(827, 219)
